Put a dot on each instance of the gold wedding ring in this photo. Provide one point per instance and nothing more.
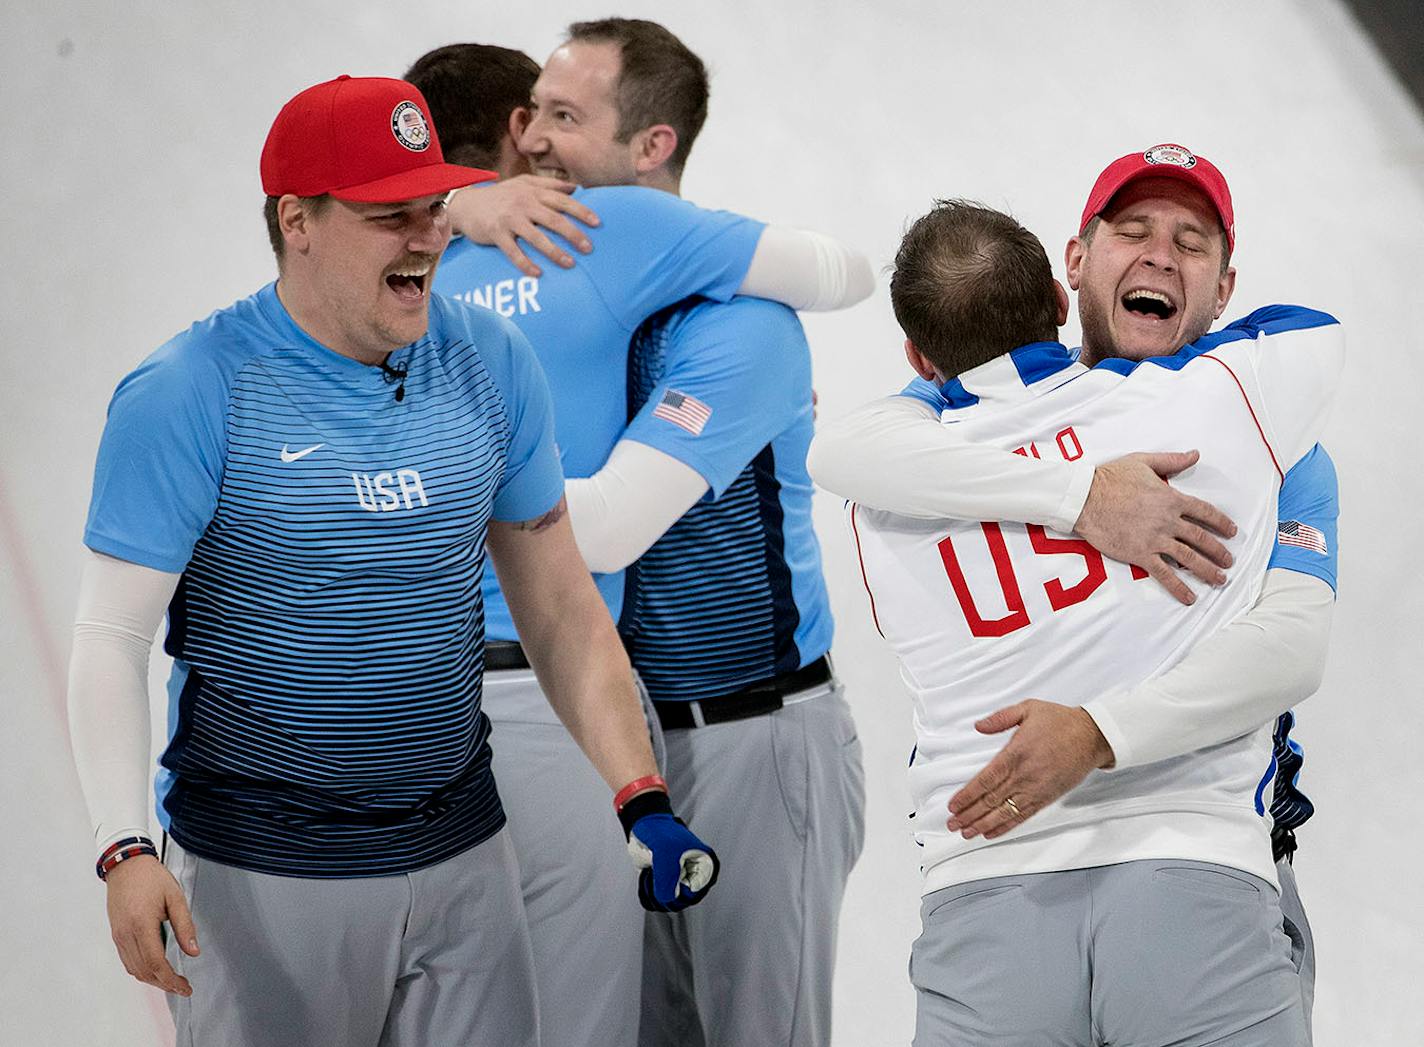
(1009, 803)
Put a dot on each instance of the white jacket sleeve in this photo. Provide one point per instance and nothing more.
(1270, 658)
(893, 454)
(620, 511)
(808, 271)
(120, 608)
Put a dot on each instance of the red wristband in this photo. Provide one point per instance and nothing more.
(131, 847)
(637, 785)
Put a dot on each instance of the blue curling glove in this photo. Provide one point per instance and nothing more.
(678, 869)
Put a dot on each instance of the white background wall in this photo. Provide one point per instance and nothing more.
(131, 207)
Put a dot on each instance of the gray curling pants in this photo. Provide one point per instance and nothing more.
(431, 958)
(580, 888)
(1141, 954)
(781, 799)
(1302, 942)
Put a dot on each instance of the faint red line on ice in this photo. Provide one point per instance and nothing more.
(158, 1007)
(18, 557)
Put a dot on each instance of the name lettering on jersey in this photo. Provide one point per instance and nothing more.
(506, 297)
(387, 492)
(1068, 446)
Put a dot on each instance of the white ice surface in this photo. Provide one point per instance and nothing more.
(132, 207)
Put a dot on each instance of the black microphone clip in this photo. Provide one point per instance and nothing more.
(395, 373)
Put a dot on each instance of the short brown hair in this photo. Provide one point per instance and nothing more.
(471, 90)
(971, 284)
(313, 204)
(660, 80)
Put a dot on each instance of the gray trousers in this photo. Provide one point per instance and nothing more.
(781, 798)
(1140, 954)
(434, 957)
(579, 886)
(1297, 929)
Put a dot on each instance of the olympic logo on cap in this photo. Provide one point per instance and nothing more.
(409, 126)
(1170, 154)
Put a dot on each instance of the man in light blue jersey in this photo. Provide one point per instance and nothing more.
(619, 105)
(308, 481)
(1143, 292)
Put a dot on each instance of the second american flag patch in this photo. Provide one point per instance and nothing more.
(684, 411)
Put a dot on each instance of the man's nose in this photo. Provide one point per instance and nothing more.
(1159, 253)
(430, 234)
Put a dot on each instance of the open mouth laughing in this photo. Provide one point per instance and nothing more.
(410, 281)
(1149, 304)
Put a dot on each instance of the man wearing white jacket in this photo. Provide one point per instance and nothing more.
(985, 615)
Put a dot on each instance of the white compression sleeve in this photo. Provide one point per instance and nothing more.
(894, 454)
(1270, 658)
(806, 270)
(620, 511)
(120, 608)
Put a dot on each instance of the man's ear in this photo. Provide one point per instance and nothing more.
(294, 220)
(510, 163)
(1073, 260)
(518, 122)
(1060, 293)
(921, 365)
(653, 147)
(1225, 286)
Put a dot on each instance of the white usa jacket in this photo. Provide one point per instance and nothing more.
(985, 615)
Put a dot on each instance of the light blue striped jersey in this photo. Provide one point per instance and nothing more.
(1309, 495)
(733, 592)
(327, 630)
(651, 249)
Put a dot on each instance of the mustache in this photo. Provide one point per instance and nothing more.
(414, 261)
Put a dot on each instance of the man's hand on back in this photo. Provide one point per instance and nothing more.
(1132, 514)
(142, 894)
(521, 208)
(1052, 750)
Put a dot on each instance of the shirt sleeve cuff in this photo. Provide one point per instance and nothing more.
(1112, 731)
(1074, 498)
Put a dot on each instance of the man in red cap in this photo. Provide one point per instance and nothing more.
(1151, 265)
(307, 481)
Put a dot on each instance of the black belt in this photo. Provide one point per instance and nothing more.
(757, 699)
(504, 654)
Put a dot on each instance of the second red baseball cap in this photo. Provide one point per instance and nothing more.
(1169, 161)
(365, 139)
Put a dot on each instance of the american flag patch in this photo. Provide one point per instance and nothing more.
(1293, 532)
(684, 411)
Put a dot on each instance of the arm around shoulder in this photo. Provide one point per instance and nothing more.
(893, 454)
(807, 271)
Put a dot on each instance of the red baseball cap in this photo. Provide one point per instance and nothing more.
(1163, 161)
(367, 139)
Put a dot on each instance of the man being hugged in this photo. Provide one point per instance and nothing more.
(1157, 875)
